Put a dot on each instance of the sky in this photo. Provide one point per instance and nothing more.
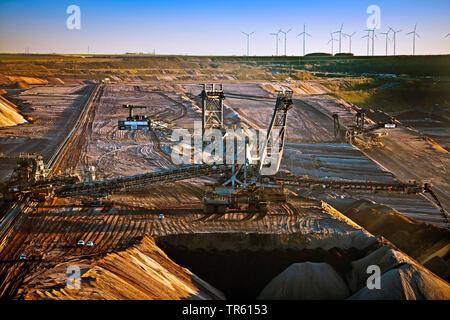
(215, 27)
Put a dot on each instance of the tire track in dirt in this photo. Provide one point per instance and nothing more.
(110, 235)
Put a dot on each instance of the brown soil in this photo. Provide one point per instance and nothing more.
(9, 114)
(142, 272)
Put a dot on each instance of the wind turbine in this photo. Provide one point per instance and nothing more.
(340, 36)
(248, 40)
(387, 39)
(304, 34)
(349, 36)
(414, 33)
(373, 40)
(447, 35)
(285, 34)
(331, 40)
(368, 39)
(276, 34)
(394, 32)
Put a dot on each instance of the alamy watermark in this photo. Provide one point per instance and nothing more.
(374, 280)
(229, 146)
(374, 20)
(73, 280)
(74, 20)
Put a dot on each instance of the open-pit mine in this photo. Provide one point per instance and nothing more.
(93, 205)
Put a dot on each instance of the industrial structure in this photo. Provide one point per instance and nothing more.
(360, 129)
(134, 122)
(212, 107)
(247, 186)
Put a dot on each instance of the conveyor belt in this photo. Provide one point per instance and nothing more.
(365, 186)
(107, 186)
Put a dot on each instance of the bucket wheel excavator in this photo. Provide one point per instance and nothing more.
(249, 187)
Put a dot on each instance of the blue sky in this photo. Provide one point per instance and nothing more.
(214, 27)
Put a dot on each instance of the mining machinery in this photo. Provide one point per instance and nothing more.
(241, 186)
(212, 106)
(30, 169)
(31, 177)
(249, 186)
(134, 122)
(361, 130)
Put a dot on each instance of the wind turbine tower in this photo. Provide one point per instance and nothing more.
(332, 44)
(387, 39)
(368, 40)
(276, 36)
(304, 34)
(393, 37)
(415, 34)
(349, 36)
(248, 40)
(373, 40)
(340, 36)
(285, 36)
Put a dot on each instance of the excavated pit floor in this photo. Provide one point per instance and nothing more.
(243, 272)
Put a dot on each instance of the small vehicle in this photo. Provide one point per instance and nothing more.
(161, 216)
(22, 257)
(89, 244)
(80, 243)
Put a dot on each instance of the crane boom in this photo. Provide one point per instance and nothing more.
(272, 152)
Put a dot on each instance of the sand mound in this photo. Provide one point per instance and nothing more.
(298, 87)
(408, 282)
(384, 257)
(18, 81)
(9, 115)
(419, 240)
(141, 272)
(306, 281)
(402, 278)
(55, 81)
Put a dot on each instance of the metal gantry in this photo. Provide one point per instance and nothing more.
(212, 107)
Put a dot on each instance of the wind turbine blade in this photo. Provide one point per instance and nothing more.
(288, 30)
(309, 35)
(417, 35)
(353, 34)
